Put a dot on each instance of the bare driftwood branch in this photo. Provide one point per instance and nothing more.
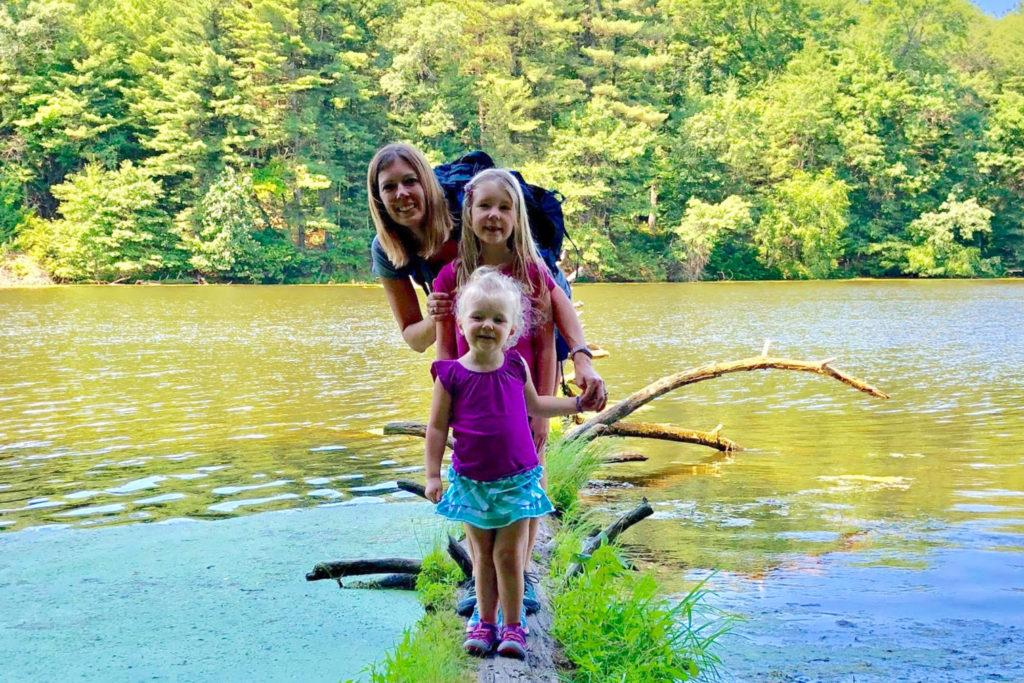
(647, 430)
(412, 429)
(610, 533)
(612, 414)
(343, 568)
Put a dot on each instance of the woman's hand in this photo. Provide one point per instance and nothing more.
(433, 491)
(595, 396)
(440, 306)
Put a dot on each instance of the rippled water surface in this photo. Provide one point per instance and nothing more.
(134, 404)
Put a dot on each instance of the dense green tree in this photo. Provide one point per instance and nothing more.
(112, 227)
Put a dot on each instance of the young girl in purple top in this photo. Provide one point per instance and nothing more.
(486, 396)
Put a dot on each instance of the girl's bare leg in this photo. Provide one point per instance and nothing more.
(508, 551)
(481, 547)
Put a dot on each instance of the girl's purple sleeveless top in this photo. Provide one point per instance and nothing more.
(488, 418)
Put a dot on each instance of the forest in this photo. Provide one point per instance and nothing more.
(227, 140)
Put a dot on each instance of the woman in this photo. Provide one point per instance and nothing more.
(416, 238)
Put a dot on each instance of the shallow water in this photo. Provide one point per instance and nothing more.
(133, 404)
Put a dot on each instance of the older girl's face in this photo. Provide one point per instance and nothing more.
(402, 194)
(492, 213)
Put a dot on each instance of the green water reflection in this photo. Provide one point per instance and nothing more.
(142, 403)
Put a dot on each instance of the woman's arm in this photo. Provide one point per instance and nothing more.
(594, 394)
(418, 333)
(437, 437)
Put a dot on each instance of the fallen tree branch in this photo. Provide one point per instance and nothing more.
(612, 414)
(412, 429)
(610, 533)
(648, 430)
(343, 568)
(412, 486)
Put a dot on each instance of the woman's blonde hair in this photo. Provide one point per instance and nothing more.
(487, 282)
(525, 259)
(392, 236)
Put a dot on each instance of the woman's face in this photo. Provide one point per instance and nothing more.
(402, 194)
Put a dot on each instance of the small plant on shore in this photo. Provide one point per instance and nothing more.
(615, 626)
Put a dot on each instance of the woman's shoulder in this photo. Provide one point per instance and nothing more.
(381, 264)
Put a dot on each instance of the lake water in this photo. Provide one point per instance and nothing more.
(862, 538)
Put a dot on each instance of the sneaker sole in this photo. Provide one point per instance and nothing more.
(477, 648)
(512, 651)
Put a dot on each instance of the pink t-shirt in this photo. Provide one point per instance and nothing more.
(528, 344)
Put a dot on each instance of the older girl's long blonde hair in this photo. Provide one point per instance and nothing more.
(438, 220)
(525, 257)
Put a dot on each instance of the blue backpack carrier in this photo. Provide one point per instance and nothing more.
(543, 207)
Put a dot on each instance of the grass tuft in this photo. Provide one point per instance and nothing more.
(614, 626)
(569, 466)
(430, 652)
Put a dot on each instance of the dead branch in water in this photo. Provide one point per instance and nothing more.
(412, 429)
(610, 533)
(669, 433)
(589, 429)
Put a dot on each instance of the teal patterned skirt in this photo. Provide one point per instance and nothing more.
(494, 504)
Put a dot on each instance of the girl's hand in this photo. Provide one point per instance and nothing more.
(540, 427)
(439, 306)
(433, 491)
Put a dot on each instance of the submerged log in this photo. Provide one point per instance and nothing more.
(625, 457)
(343, 568)
(612, 414)
(405, 582)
